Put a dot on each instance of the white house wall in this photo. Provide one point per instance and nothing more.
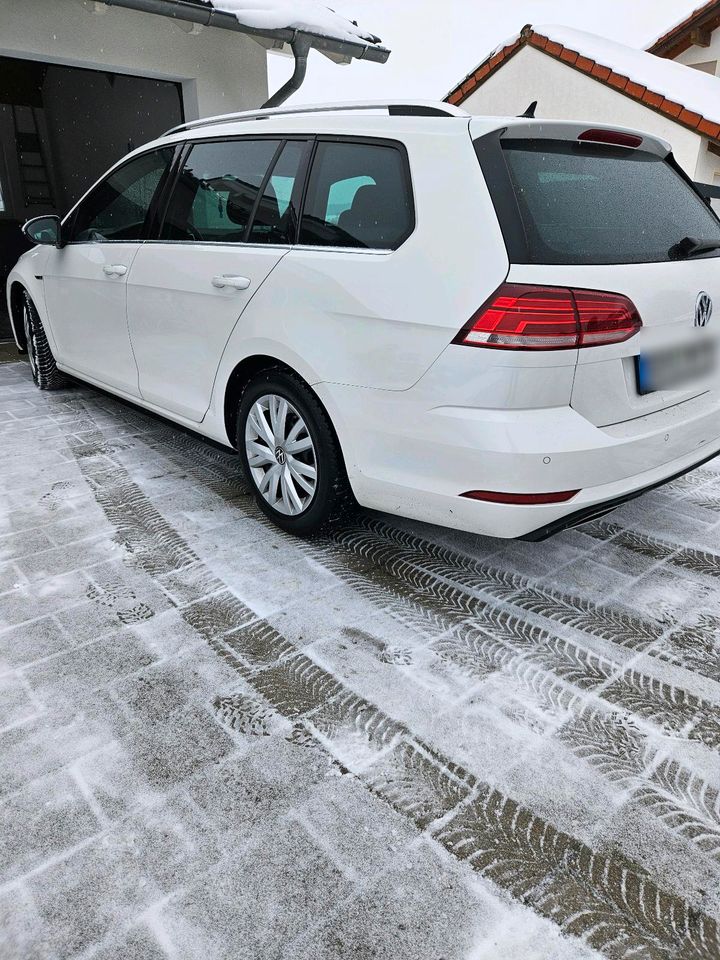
(565, 93)
(221, 71)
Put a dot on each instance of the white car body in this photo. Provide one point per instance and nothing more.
(420, 419)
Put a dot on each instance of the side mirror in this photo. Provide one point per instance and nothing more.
(45, 230)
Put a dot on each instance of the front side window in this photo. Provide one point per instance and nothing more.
(216, 191)
(358, 196)
(118, 208)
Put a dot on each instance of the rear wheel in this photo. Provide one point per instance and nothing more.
(290, 454)
(45, 373)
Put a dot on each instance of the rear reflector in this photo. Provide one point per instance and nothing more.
(614, 137)
(519, 317)
(527, 499)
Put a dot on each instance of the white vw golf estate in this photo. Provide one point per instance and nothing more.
(500, 325)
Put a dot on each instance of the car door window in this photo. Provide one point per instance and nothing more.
(215, 194)
(275, 219)
(118, 208)
(358, 196)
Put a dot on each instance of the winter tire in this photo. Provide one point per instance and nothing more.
(290, 454)
(45, 373)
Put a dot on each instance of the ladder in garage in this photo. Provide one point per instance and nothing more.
(34, 174)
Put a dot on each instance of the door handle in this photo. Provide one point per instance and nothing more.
(115, 270)
(225, 280)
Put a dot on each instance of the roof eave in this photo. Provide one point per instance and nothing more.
(680, 39)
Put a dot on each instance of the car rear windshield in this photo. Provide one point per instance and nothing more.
(580, 203)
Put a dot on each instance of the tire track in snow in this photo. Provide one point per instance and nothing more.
(695, 647)
(607, 900)
(548, 668)
(669, 706)
(689, 558)
(607, 623)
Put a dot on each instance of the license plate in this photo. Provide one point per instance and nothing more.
(676, 369)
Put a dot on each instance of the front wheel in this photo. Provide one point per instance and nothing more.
(45, 373)
(290, 454)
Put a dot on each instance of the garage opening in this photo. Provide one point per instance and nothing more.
(60, 128)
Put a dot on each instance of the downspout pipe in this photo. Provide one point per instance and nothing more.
(301, 50)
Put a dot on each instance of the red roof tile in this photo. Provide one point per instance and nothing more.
(710, 129)
(671, 108)
(689, 117)
(617, 80)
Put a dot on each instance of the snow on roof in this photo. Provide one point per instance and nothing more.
(690, 96)
(309, 15)
(695, 90)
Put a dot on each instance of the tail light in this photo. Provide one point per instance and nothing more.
(519, 317)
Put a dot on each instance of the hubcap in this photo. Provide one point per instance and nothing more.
(29, 341)
(281, 455)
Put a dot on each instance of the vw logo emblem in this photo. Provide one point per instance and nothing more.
(280, 455)
(703, 309)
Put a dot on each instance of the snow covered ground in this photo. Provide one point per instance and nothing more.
(392, 742)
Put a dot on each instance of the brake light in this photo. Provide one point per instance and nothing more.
(614, 137)
(520, 317)
(525, 499)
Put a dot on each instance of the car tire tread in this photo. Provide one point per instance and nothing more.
(45, 372)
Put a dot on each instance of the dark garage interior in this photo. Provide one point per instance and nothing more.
(61, 127)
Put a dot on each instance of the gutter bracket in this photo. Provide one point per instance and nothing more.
(300, 45)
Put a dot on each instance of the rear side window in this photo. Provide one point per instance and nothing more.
(216, 191)
(358, 196)
(580, 203)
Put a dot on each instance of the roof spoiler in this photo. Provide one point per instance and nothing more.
(532, 129)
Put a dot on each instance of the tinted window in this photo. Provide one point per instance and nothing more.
(275, 220)
(217, 189)
(358, 196)
(118, 208)
(583, 203)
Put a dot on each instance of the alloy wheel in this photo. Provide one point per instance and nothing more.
(281, 455)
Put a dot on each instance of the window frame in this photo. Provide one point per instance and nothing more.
(297, 193)
(68, 222)
(408, 186)
(157, 211)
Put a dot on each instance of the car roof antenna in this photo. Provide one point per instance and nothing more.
(530, 112)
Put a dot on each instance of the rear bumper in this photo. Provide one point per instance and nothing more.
(586, 514)
(415, 460)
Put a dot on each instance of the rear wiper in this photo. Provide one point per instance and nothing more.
(689, 247)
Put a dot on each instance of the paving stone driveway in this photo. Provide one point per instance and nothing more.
(392, 742)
